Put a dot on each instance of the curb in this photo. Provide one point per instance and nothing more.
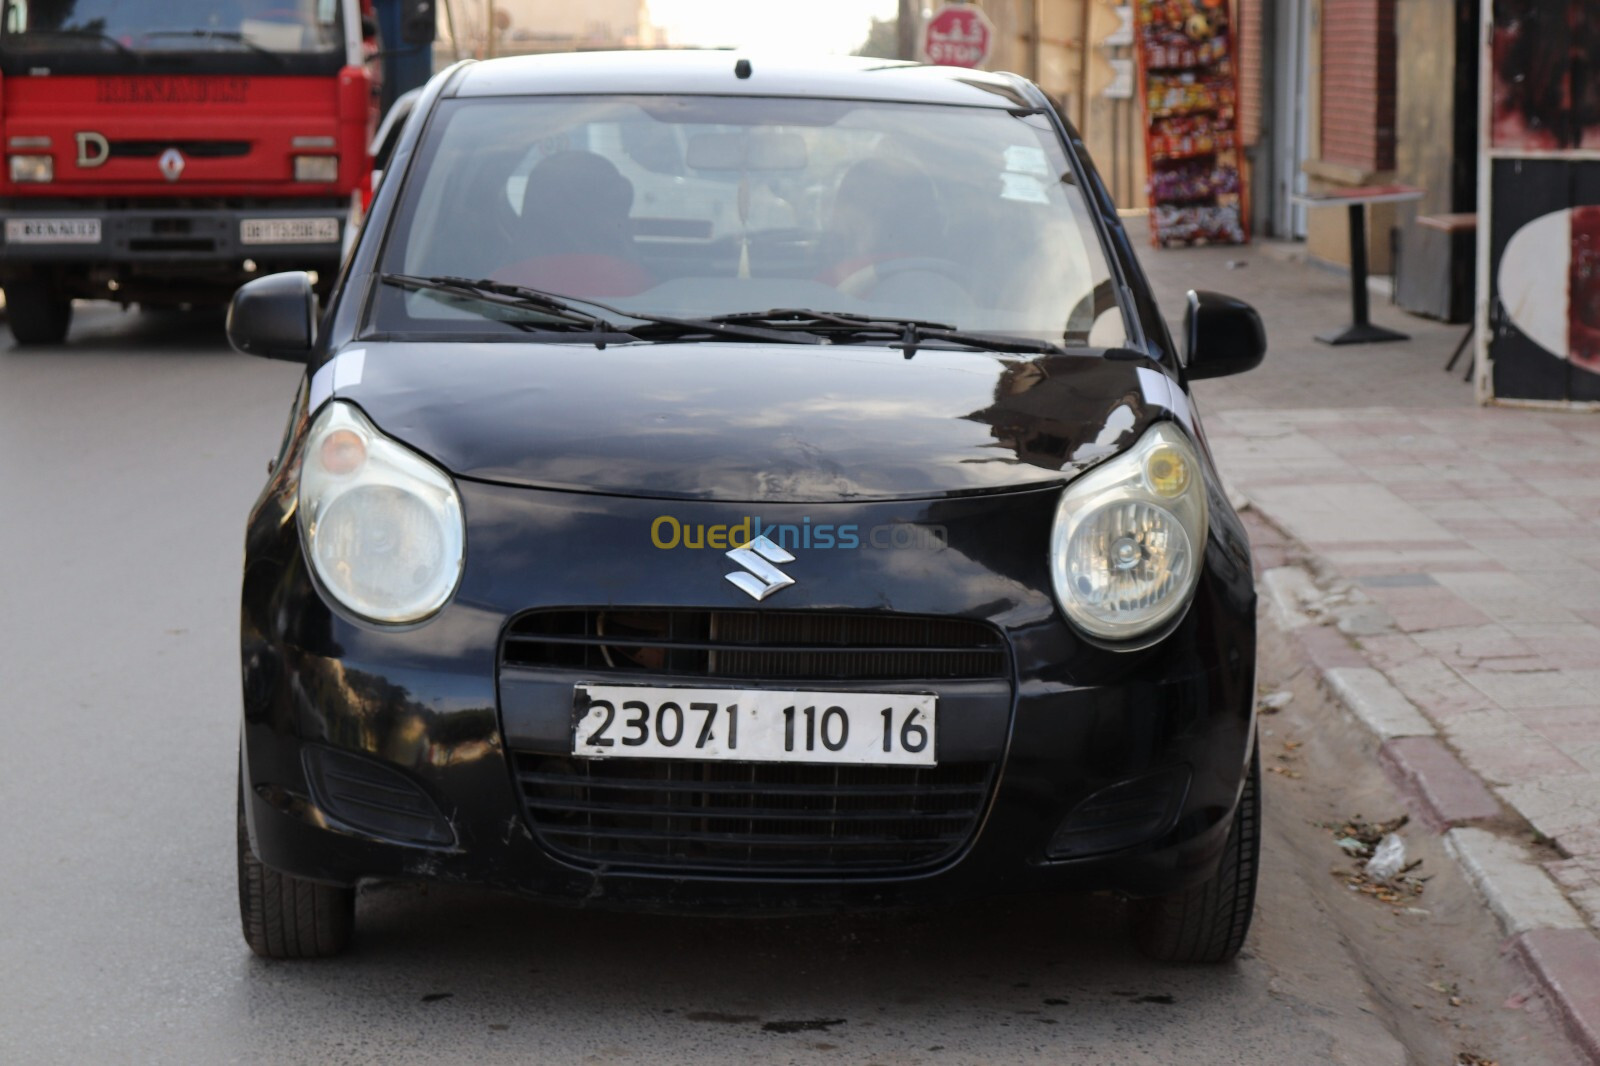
(1545, 931)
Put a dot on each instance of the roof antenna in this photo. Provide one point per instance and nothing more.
(741, 69)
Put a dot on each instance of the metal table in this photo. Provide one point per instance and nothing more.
(1360, 330)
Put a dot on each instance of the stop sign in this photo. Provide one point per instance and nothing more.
(958, 35)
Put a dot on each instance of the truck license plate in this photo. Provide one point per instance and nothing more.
(754, 725)
(288, 231)
(52, 231)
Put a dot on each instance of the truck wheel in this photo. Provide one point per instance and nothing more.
(1208, 923)
(39, 314)
(286, 917)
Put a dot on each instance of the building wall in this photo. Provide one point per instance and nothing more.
(1355, 136)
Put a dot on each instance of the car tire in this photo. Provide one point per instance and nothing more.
(1208, 923)
(39, 314)
(286, 917)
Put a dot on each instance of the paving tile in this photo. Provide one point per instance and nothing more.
(1437, 489)
(1575, 529)
(1471, 645)
(1525, 553)
(1566, 963)
(1571, 588)
(1370, 696)
(1417, 609)
(1506, 597)
(1387, 651)
(1403, 476)
(1521, 895)
(1397, 581)
(1443, 791)
(1453, 507)
(1585, 754)
(1493, 527)
(1330, 513)
(1563, 724)
(1503, 750)
(1583, 485)
(1558, 805)
(1328, 648)
(1438, 690)
(1530, 509)
(1544, 688)
(1583, 840)
(1567, 647)
(1497, 490)
(1580, 878)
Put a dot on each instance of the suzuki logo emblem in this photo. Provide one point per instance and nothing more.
(101, 150)
(763, 578)
(171, 163)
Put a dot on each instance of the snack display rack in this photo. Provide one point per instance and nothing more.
(1189, 91)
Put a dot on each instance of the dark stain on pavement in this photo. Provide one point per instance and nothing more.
(808, 1025)
(718, 1016)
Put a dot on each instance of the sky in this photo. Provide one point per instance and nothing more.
(768, 25)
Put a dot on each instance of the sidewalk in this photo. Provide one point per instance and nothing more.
(1440, 565)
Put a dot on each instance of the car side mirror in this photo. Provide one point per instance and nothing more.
(274, 317)
(1221, 336)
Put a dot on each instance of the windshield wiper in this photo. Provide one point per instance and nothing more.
(911, 333)
(222, 35)
(497, 294)
(523, 298)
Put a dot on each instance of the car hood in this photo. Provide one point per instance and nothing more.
(749, 422)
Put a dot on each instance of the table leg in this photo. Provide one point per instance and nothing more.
(1361, 330)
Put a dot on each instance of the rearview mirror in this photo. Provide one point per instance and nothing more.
(1221, 336)
(274, 317)
(752, 150)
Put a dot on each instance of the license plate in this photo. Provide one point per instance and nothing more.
(52, 231)
(754, 725)
(288, 230)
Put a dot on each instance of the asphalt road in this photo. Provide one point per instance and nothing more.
(127, 462)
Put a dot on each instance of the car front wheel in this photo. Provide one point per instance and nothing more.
(286, 917)
(1208, 923)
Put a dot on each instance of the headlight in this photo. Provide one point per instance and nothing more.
(33, 168)
(1129, 538)
(316, 168)
(381, 525)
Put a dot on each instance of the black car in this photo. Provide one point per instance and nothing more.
(722, 484)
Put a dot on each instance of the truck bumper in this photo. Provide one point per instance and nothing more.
(94, 249)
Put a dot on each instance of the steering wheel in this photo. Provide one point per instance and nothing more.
(869, 277)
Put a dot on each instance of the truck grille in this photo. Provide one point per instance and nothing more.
(758, 645)
(752, 818)
(191, 149)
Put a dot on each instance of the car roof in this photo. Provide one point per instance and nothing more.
(712, 73)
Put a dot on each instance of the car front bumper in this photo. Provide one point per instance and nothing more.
(1105, 770)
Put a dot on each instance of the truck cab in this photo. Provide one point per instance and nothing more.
(165, 151)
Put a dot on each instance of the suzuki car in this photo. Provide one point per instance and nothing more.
(722, 485)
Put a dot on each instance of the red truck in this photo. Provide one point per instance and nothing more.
(165, 151)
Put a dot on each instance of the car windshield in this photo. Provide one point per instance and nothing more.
(288, 27)
(709, 206)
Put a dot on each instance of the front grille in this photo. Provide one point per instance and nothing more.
(191, 149)
(751, 817)
(758, 645)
